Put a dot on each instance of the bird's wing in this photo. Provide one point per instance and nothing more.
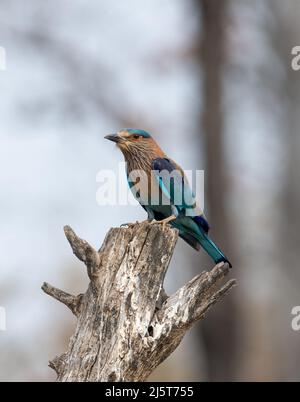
(173, 183)
(175, 186)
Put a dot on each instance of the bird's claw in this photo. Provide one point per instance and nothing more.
(163, 222)
(128, 224)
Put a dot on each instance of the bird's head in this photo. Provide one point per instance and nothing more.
(134, 141)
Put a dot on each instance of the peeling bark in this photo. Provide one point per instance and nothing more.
(126, 324)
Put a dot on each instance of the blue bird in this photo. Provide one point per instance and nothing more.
(162, 189)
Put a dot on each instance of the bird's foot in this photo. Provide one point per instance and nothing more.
(130, 224)
(164, 221)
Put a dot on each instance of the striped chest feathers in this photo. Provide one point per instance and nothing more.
(144, 185)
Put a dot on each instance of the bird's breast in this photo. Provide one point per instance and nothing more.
(145, 188)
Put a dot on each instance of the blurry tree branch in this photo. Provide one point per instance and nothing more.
(127, 325)
(88, 81)
(214, 17)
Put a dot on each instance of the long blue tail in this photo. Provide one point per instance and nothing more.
(196, 236)
(212, 249)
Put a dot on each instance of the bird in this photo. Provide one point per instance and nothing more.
(162, 189)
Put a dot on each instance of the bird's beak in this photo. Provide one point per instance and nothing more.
(113, 137)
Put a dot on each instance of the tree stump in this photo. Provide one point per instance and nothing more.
(126, 324)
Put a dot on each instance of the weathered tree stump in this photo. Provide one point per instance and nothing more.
(126, 324)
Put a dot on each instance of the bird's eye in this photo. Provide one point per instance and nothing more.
(135, 137)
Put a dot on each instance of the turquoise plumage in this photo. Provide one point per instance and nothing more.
(166, 194)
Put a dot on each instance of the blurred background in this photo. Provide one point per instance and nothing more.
(212, 81)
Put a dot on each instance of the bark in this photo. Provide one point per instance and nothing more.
(126, 324)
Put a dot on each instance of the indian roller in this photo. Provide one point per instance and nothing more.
(162, 189)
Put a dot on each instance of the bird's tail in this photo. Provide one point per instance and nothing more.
(212, 249)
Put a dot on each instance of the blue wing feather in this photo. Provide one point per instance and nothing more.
(173, 184)
(202, 222)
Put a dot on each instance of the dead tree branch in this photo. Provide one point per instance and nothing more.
(126, 324)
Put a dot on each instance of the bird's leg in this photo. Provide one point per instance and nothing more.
(164, 221)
